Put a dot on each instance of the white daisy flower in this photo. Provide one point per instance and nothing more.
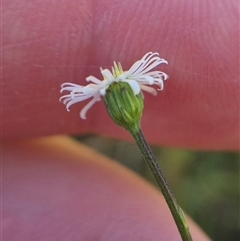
(139, 77)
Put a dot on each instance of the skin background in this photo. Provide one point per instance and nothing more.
(199, 106)
(56, 189)
(47, 43)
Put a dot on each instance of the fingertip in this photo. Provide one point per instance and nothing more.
(64, 187)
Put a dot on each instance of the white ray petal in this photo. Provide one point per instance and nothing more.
(88, 106)
(149, 89)
(134, 86)
(69, 102)
(93, 79)
(106, 73)
(69, 84)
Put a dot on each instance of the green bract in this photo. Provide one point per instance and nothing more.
(124, 108)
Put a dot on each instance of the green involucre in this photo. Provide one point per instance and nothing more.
(124, 108)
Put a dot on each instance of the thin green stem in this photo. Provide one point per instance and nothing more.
(175, 209)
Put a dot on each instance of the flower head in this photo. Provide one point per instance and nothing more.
(139, 77)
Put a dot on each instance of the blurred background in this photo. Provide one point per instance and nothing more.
(206, 184)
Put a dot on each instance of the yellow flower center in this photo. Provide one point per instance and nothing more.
(117, 69)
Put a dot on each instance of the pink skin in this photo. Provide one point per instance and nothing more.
(46, 43)
(55, 189)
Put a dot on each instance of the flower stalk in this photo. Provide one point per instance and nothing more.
(175, 209)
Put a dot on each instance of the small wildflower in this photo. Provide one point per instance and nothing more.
(139, 77)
